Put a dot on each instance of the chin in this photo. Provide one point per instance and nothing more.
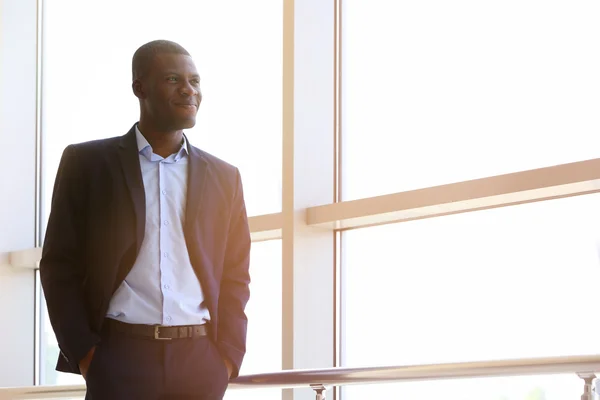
(186, 123)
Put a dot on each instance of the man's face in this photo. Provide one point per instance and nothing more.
(172, 92)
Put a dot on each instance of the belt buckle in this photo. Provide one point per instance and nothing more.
(157, 333)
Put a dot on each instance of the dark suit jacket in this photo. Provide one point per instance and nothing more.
(95, 231)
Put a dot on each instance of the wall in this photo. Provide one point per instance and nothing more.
(17, 178)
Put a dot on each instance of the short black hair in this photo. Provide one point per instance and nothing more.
(142, 58)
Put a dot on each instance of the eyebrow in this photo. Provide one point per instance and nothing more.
(178, 74)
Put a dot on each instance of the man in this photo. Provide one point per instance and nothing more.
(146, 255)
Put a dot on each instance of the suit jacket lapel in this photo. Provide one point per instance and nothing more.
(197, 171)
(130, 164)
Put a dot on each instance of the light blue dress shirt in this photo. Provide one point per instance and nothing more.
(162, 287)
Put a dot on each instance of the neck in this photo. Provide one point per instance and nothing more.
(163, 142)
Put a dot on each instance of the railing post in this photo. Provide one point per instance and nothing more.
(588, 379)
(320, 391)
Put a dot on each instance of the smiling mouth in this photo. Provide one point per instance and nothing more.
(186, 105)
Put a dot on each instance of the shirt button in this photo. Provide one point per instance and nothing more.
(165, 254)
(166, 223)
(164, 192)
(166, 286)
(168, 319)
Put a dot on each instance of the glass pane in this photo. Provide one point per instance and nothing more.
(439, 91)
(264, 327)
(551, 387)
(513, 282)
(264, 319)
(236, 45)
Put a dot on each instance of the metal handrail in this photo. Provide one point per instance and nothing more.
(584, 366)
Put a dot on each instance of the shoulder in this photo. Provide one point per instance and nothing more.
(86, 155)
(217, 166)
(224, 178)
(95, 146)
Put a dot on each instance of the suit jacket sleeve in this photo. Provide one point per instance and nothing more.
(61, 270)
(234, 291)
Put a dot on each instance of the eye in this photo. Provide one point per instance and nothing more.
(196, 81)
(172, 79)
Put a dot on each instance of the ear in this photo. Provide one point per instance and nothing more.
(138, 89)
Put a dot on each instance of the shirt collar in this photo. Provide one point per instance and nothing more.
(144, 146)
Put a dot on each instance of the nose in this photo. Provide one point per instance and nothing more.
(188, 89)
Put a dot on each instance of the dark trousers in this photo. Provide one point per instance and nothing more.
(132, 368)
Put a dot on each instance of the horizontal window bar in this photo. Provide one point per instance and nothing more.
(497, 191)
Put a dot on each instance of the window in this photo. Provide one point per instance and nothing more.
(264, 327)
(554, 387)
(513, 282)
(87, 95)
(437, 92)
(87, 80)
(264, 319)
(432, 92)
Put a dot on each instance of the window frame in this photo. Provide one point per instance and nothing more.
(312, 215)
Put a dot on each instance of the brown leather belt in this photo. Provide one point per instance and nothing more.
(158, 332)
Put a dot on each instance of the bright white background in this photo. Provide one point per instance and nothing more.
(237, 48)
(441, 91)
(435, 92)
(512, 282)
(17, 177)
